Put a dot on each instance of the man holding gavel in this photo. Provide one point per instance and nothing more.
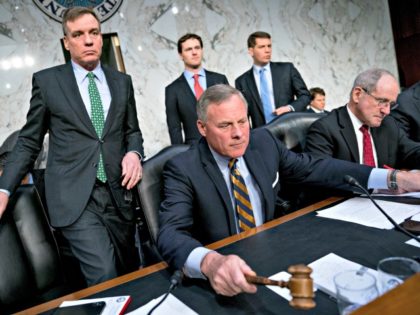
(228, 183)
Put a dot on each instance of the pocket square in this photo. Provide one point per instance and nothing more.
(276, 180)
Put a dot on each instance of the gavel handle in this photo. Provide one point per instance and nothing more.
(265, 281)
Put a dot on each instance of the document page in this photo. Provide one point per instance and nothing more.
(363, 211)
(171, 305)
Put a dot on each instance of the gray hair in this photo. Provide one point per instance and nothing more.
(368, 79)
(216, 95)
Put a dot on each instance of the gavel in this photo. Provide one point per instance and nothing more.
(300, 285)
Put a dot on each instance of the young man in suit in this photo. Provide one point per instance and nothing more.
(407, 113)
(228, 183)
(182, 94)
(270, 88)
(95, 149)
(317, 104)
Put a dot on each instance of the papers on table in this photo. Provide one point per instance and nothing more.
(114, 305)
(362, 211)
(171, 306)
(413, 242)
(325, 268)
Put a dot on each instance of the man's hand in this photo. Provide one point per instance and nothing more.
(408, 181)
(227, 274)
(4, 199)
(282, 110)
(132, 171)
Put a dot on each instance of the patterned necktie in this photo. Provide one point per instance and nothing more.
(265, 97)
(243, 205)
(368, 158)
(197, 87)
(98, 120)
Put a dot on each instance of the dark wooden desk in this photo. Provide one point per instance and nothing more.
(300, 237)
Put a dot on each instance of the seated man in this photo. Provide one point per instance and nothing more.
(228, 182)
(407, 112)
(317, 104)
(362, 131)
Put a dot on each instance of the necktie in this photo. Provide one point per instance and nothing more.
(265, 97)
(197, 87)
(368, 158)
(243, 205)
(97, 117)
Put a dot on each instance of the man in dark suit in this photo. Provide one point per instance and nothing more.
(341, 134)
(182, 94)
(95, 148)
(317, 104)
(337, 135)
(407, 112)
(228, 183)
(270, 88)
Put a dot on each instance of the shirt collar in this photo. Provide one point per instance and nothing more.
(81, 72)
(222, 161)
(257, 69)
(354, 120)
(189, 74)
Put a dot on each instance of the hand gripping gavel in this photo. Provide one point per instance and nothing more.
(300, 285)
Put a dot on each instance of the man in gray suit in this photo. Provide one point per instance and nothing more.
(95, 149)
(270, 88)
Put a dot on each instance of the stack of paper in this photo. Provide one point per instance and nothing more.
(114, 305)
(171, 306)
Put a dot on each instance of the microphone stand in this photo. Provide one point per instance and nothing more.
(175, 280)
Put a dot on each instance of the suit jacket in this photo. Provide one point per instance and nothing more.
(74, 147)
(407, 113)
(287, 83)
(334, 136)
(181, 107)
(197, 208)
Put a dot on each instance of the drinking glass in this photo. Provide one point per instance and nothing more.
(393, 271)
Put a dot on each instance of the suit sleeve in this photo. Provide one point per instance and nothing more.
(401, 115)
(225, 80)
(172, 116)
(303, 97)
(29, 142)
(175, 241)
(318, 139)
(133, 135)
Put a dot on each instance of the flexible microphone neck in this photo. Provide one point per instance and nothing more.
(353, 182)
(175, 279)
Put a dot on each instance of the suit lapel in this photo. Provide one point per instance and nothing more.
(276, 77)
(68, 84)
(347, 132)
(258, 171)
(113, 89)
(185, 88)
(211, 168)
(252, 87)
(382, 149)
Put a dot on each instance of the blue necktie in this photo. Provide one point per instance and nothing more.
(265, 97)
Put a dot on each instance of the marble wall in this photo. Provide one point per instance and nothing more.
(329, 41)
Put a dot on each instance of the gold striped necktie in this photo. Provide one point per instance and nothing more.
(98, 120)
(243, 204)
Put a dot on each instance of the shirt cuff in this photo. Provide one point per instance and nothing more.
(6, 192)
(192, 265)
(292, 109)
(138, 153)
(378, 179)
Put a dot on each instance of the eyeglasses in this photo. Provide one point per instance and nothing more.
(381, 102)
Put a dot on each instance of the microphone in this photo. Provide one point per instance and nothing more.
(175, 280)
(353, 182)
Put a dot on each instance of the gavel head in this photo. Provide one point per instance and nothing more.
(301, 287)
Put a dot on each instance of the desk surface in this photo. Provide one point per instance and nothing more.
(297, 238)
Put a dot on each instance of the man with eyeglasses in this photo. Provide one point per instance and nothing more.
(362, 131)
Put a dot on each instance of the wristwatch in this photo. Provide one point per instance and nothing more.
(392, 184)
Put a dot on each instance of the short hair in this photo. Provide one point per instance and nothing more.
(216, 95)
(252, 39)
(74, 13)
(368, 79)
(316, 90)
(187, 37)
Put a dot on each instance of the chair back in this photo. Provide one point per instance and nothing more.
(30, 266)
(292, 128)
(151, 186)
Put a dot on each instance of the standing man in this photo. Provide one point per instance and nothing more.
(181, 95)
(270, 88)
(228, 182)
(95, 149)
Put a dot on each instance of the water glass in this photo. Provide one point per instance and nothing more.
(393, 271)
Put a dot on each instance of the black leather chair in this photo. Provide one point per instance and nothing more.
(150, 192)
(292, 128)
(30, 266)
